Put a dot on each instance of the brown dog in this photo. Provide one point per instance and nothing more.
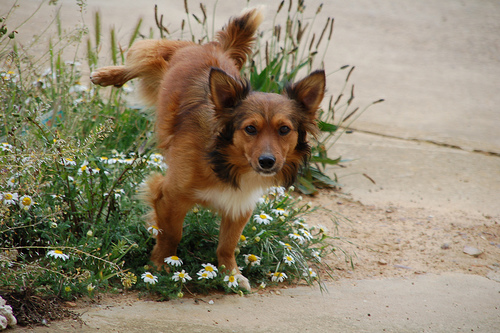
(224, 144)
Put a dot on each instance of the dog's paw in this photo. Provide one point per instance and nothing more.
(108, 76)
(243, 282)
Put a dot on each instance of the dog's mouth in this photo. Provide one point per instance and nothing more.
(266, 173)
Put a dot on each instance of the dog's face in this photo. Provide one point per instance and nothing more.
(262, 132)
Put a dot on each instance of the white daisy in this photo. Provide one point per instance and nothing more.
(25, 202)
(280, 212)
(278, 277)
(231, 281)
(9, 198)
(84, 168)
(12, 181)
(6, 147)
(203, 275)
(149, 278)
(182, 275)
(210, 269)
(316, 255)
(174, 261)
(297, 237)
(289, 260)
(104, 159)
(262, 218)
(68, 161)
(310, 273)
(277, 191)
(306, 234)
(286, 245)
(58, 254)
(251, 259)
(154, 230)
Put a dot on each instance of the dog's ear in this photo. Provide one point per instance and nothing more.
(309, 91)
(226, 91)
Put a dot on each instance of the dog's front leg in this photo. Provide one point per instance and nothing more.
(229, 235)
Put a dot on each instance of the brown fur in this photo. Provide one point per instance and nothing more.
(223, 143)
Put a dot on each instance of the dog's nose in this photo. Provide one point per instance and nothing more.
(266, 161)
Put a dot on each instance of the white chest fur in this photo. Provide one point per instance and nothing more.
(236, 202)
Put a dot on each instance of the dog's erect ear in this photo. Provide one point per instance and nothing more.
(225, 90)
(309, 91)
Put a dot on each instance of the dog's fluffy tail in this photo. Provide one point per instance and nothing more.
(238, 36)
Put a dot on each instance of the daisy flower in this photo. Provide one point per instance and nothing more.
(301, 224)
(84, 168)
(210, 269)
(203, 275)
(242, 238)
(25, 202)
(280, 212)
(316, 255)
(306, 234)
(58, 254)
(11, 182)
(231, 281)
(251, 259)
(6, 147)
(289, 260)
(286, 245)
(128, 89)
(174, 261)
(297, 237)
(262, 218)
(90, 287)
(68, 162)
(104, 159)
(154, 230)
(149, 278)
(278, 277)
(9, 198)
(182, 275)
(277, 191)
(310, 273)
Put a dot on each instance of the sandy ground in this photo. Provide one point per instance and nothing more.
(432, 149)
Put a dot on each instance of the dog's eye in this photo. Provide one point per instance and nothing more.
(284, 130)
(251, 130)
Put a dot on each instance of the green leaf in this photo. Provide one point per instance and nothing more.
(327, 127)
(325, 160)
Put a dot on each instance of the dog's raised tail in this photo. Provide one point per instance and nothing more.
(237, 37)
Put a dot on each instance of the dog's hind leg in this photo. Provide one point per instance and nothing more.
(229, 235)
(168, 216)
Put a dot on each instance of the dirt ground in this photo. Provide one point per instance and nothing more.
(433, 150)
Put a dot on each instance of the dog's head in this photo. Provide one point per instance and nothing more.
(263, 132)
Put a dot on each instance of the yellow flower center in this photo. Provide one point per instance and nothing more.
(288, 246)
(83, 168)
(182, 275)
(149, 276)
(155, 227)
(174, 258)
(8, 196)
(289, 258)
(209, 269)
(69, 159)
(58, 252)
(252, 258)
(26, 201)
(262, 216)
(231, 278)
(243, 238)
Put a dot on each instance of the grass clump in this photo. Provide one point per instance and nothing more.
(73, 156)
